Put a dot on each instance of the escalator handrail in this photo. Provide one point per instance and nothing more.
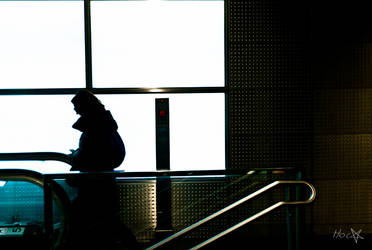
(35, 156)
(21, 174)
(237, 203)
(43, 156)
(58, 193)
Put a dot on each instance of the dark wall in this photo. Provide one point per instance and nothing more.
(299, 75)
(341, 77)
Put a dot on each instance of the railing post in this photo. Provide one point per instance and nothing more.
(297, 209)
(288, 220)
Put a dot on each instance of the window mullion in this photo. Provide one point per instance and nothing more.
(88, 44)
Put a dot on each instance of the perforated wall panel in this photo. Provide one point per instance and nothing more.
(269, 96)
(203, 198)
(267, 65)
(343, 204)
(344, 156)
(266, 21)
(343, 111)
(138, 208)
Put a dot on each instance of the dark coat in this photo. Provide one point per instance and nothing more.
(100, 147)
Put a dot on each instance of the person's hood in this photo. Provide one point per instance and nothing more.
(96, 121)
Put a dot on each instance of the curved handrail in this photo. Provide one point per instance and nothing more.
(22, 175)
(35, 156)
(58, 193)
(237, 203)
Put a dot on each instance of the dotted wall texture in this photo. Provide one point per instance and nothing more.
(206, 196)
(269, 96)
(299, 82)
(138, 211)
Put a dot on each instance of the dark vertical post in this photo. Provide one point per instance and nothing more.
(162, 133)
(88, 45)
(227, 85)
(163, 184)
(48, 211)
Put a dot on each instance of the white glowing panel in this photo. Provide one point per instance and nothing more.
(42, 44)
(197, 130)
(43, 124)
(158, 43)
(37, 124)
(134, 115)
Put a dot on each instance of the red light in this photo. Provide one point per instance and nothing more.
(162, 113)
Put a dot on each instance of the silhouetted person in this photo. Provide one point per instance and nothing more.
(101, 147)
(95, 220)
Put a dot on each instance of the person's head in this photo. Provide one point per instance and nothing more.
(85, 101)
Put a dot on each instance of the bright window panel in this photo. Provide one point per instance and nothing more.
(42, 44)
(44, 124)
(37, 124)
(158, 43)
(197, 130)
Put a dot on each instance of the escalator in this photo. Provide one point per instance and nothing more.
(22, 217)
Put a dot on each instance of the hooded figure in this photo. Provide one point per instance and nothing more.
(96, 208)
(100, 147)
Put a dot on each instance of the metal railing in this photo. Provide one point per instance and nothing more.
(242, 223)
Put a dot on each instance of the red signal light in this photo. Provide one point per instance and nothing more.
(162, 113)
